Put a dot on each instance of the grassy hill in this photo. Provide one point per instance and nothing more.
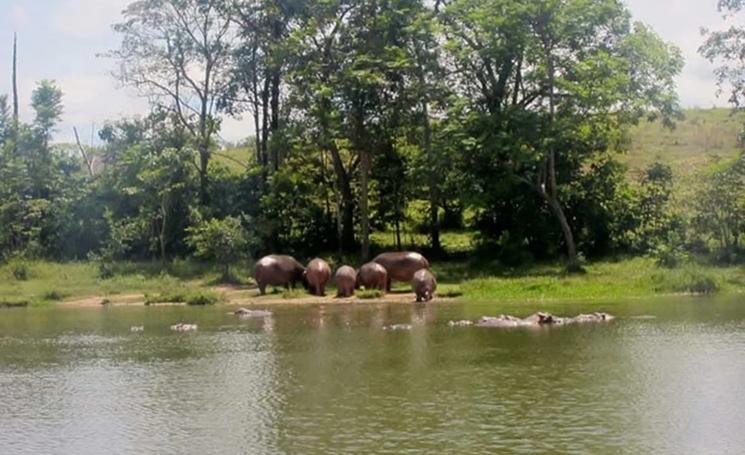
(704, 134)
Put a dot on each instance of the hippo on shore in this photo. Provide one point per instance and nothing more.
(346, 280)
(317, 274)
(424, 284)
(401, 265)
(278, 270)
(372, 276)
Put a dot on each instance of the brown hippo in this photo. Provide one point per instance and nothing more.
(317, 274)
(401, 266)
(278, 270)
(424, 285)
(346, 280)
(372, 276)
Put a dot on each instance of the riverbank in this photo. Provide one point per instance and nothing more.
(38, 283)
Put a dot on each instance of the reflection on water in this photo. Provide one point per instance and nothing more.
(329, 379)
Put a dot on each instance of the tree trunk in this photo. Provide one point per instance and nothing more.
(274, 125)
(555, 205)
(15, 94)
(398, 234)
(364, 215)
(204, 161)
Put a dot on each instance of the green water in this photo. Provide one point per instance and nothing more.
(320, 380)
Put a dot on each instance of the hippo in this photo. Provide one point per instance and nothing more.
(593, 317)
(401, 266)
(278, 270)
(372, 276)
(316, 275)
(345, 279)
(246, 313)
(181, 327)
(424, 284)
(540, 319)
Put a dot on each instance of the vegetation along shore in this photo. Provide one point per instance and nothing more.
(521, 163)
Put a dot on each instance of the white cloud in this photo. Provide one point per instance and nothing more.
(20, 17)
(680, 22)
(87, 18)
(92, 99)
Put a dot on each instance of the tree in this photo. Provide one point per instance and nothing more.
(46, 101)
(15, 123)
(260, 64)
(222, 240)
(720, 208)
(179, 54)
(550, 84)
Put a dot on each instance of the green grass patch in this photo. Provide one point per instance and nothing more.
(294, 294)
(604, 280)
(367, 294)
(188, 296)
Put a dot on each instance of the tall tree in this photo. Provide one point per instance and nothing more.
(15, 124)
(553, 81)
(178, 53)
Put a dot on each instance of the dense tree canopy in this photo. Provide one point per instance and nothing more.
(501, 116)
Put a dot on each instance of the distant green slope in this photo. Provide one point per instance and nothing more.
(702, 135)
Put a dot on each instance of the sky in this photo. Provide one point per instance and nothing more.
(62, 40)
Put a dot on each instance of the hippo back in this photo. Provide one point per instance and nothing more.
(277, 269)
(402, 265)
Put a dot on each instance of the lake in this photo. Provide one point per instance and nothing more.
(329, 379)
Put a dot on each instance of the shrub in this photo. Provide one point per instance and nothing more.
(367, 294)
(20, 271)
(201, 298)
(53, 296)
(688, 280)
(224, 241)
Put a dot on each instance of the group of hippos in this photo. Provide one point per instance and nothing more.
(406, 266)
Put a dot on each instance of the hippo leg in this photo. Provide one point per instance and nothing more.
(262, 289)
(388, 285)
(322, 290)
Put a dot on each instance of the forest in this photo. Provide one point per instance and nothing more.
(370, 123)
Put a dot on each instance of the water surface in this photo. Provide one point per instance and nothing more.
(329, 379)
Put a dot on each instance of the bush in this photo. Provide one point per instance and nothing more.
(224, 241)
(201, 298)
(194, 297)
(53, 296)
(20, 271)
(690, 280)
(367, 294)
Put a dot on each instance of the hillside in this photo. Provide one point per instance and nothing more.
(702, 135)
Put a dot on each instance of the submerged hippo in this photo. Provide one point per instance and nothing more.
(246, 313)
(424, 284)
(317, 274)
(372, 276)
(278, 270)
(401, 266)
(540, 319)
(346, 280)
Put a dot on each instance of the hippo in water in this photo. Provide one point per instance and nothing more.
(424, 284)
(317, 274)
(401, 266)
(372, 276)
(346, 280)
(278, 270)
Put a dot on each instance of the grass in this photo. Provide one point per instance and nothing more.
(182, 282)
(369, 294)
(195, 297)
(604, 280)
(701, 135)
